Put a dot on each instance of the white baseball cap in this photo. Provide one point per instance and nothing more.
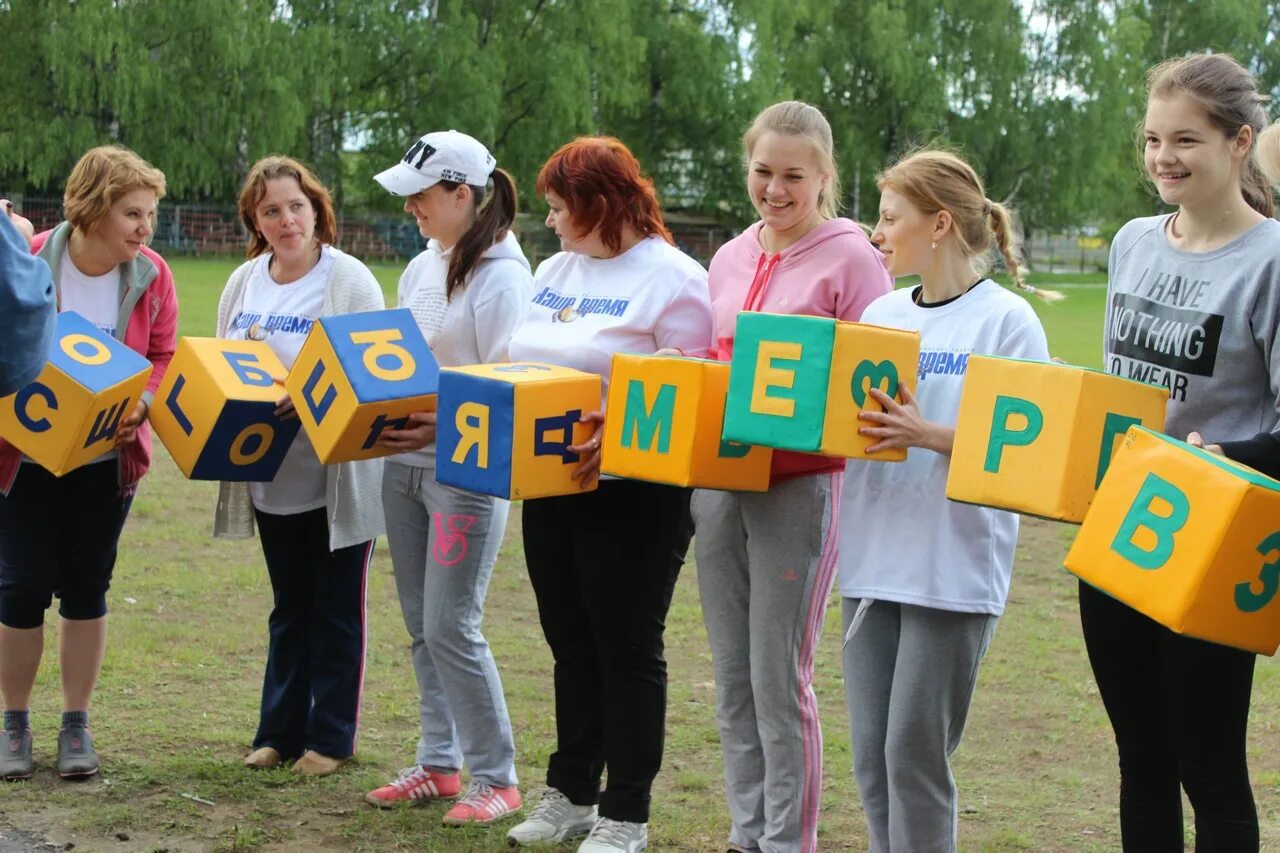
(440, 156)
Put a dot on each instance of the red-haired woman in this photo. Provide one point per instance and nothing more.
(603, 564)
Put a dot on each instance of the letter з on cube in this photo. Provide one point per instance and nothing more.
(664, 421)
(865, 357)
(505, 429)
(1189, 538)
(359, 375)
(215, 410)
(1036, 437)
(70, 414)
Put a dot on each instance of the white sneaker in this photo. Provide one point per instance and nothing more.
(553, 819)
(616, 836)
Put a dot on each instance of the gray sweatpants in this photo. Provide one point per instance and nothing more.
(765, 566)
(444, 542)
(909, 675)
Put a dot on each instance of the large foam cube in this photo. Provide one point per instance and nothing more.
(1188, 538)
(359, 375)
(505, 429)
(778, 380)
(215, 410)
(865, 357)
(1036, 437)
(70, 414)
(665, 417)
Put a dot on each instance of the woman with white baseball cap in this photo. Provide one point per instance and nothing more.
(468, 292)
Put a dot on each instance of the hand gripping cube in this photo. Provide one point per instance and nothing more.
(359, 375)
(69, 415)
(1189, 538)
(215, 410)
(799, 383)
(1036, 437)
(505, 429)
(663, 424)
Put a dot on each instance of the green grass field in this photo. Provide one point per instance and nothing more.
(177, 705)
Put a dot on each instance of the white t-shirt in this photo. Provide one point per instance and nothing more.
(282, 315)
(94, 297)
(585, 309)
(476, 326)
(901, 539)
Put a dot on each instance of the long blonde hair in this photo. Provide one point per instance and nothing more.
(933, 180)
(796, 118)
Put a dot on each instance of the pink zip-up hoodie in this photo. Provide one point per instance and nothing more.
(833, 271)
(148, 324)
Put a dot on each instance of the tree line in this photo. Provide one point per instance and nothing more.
(1043, 95)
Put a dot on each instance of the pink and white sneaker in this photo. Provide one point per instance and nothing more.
(484, 803)
(415, 785)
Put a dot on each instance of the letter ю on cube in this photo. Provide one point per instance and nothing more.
(70, 414)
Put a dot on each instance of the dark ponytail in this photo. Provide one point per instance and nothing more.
(493, 220)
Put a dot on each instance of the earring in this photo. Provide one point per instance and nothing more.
(933, 245)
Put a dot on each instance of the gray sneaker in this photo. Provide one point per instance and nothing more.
(76, 758)
(616, 836)
(15, 755)
(553, 819)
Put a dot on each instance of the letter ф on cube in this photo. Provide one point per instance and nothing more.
(1187, 537)
(799, 383)
(505, 429)
(665, 417)
(1036, 437)
(70, 414)
(359, 375)
(215, 410)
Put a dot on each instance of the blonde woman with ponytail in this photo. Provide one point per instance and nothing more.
(1180, 706)
(924, 580)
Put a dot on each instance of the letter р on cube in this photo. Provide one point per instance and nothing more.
(359, 375)
(505, 429)
(778, 380)
(70, 414)
(1036, 437)
(866, 357)
(665, 416)
(215, 410)
(1189, 538)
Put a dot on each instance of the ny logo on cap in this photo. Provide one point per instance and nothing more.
(420, 149)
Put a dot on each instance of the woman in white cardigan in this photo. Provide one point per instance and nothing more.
(317, 523)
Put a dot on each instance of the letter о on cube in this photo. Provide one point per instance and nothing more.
(665, 417)
(215, 410)
(70, 414)
(359, 375)
(505, 429)
(1036, 437)
(1188, 538)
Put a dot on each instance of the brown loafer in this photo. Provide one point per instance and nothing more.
(313, 763)
(263, 759)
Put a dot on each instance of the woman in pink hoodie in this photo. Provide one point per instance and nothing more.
(766, 560)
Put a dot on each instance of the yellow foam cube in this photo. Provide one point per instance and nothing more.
(864, 357)
(215, 410)
(359, 375)
(665, 416)
(1036, 437)
(1189, 538)
(70, 414)
(505, 429)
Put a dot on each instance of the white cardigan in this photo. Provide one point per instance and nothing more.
(353, 492)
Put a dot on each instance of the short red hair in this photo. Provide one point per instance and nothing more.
(600, 181)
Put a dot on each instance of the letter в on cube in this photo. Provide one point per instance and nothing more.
(1189, 538)
(505, 429)
(865, 357)
(359, 375)
(215, 410)
(1036, 437)
(70, 414)
(663, 424)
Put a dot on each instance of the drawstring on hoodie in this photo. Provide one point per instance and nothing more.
(764, 271)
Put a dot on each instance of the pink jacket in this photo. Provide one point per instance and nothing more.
(833, 271)
(148, 324)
